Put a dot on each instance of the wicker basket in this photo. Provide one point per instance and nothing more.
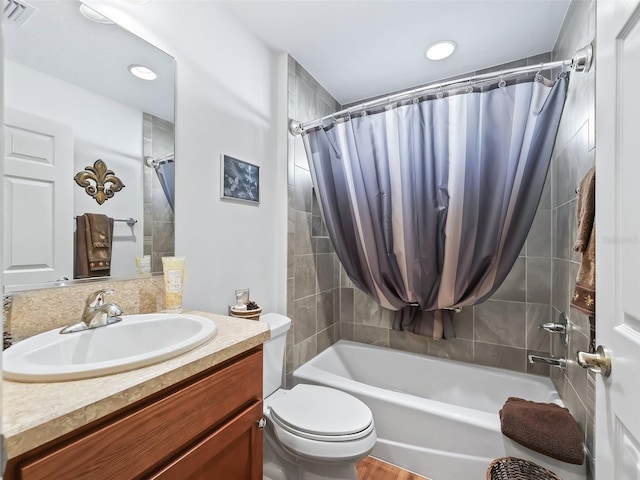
(512, 468)
(246, 314)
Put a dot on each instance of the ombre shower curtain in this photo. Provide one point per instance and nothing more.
(166, 172)
(428, 203)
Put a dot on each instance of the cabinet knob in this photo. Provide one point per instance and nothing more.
(262, 423)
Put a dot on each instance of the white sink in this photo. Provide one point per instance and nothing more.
(137, 341)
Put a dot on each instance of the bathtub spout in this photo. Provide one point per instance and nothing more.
(551, 361)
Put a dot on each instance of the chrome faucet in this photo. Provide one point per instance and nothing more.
(551, 361)
(96, 313)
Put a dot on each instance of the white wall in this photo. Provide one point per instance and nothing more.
(225, 103)
(103, 129)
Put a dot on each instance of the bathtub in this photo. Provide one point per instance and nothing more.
(435, 417)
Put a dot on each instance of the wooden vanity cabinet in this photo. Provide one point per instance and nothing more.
(206, 427)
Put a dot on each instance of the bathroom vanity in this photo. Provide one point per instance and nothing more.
(194, 416)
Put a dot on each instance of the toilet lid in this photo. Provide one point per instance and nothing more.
(322, 411)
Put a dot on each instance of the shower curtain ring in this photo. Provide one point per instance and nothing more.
(502, 83)
(439, 94)
(538, 76)
(469, 88)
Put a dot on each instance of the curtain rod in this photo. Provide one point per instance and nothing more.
(155, 162)
(580, 62)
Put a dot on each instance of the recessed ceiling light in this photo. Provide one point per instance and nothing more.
(142, 72)
(91, 14)
(441, 50)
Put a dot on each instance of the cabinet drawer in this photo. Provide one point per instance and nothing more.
(232, 452)
(140, 440)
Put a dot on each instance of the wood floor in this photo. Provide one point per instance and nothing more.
(371, 468)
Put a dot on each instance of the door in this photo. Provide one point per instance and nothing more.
(618, 237)
(38, 199)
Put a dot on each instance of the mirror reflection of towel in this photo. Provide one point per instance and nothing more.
(94, 235)
(99, 229)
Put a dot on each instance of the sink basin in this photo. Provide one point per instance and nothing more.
(137, 341)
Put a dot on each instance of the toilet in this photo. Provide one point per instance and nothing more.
(312, 432)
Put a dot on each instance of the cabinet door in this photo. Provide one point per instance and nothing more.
(145, 438)
(231, 452)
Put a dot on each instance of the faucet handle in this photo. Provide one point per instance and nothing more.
(96, 299)
(553, 327)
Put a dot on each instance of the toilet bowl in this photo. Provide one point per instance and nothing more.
(313, 432)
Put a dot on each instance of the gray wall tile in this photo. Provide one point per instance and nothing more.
(539, 238)
(323, 245)
(514, 287)
(347, 330)
(371, 335)
(455, 349)
(539, 280)
(304, 273)
(500, 356)
(500, 323)
(463, 323)
(304, 319)
(325, 317)
(537, 338)
(408, 342)
(303, 243)
(346, 305)
(325, 338)
(305, 351)
(324, 268)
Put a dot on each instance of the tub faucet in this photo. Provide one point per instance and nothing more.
(96, 313)
(551, 361)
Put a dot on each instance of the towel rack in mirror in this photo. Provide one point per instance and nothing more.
(130, 221)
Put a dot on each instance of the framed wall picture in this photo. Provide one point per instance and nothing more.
(240, 180)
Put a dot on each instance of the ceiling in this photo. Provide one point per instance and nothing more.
(360, 49)
(59, 41)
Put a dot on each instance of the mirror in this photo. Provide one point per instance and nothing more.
(70, 100)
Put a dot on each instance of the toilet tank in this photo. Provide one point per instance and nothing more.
(273, 352)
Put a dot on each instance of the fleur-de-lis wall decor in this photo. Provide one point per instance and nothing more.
(102, 176)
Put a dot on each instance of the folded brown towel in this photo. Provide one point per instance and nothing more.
(584, 295)
(546, 428)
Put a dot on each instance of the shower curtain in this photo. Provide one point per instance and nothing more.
(428, 203)
(166, 174)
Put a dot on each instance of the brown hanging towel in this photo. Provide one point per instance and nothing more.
(584, 295)
(94, 234)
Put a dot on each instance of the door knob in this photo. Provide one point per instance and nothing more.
(599, 362)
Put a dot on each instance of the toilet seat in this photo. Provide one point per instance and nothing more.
(322, 413)
(322, 423)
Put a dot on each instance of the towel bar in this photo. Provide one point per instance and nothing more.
(130, 221)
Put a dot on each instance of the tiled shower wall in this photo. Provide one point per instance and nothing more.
(158, 222)
(574, 155)
(312, 266)
(325, 306)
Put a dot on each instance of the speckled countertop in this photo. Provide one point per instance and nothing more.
(36, 413)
